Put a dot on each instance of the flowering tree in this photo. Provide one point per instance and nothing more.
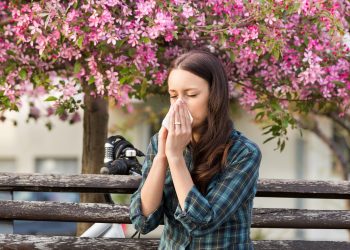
(283, 58)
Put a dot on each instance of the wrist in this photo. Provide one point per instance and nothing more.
(175, 158)
(161, 159)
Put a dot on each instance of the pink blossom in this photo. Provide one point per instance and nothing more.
(111, 3)
(99, 84)
(270, 19)
(9, 92)
(168, 37)
(193, 35)
(35, 28)
(69, 90)
(164, 21)
(106, 17)
(75, 118)
(179, 2)
(144, 8)
(72, 15)
(69, 53)
(187, 11)
(34, 112)
(41, 44)
(92, 65)
(94, 20)
(50, 111)
(112, 38)
(249, 98)
(42, 35)
(111, 75)
(64, 116)
(134, 36)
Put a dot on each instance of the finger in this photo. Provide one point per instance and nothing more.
(171, 120)
(187, 116)
(182, 118)
(177, 118)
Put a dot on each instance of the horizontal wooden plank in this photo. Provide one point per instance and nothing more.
(303, 189)
(87, 183)
(28, 242)
(90, 212)
(95, 183)
(64, 211)
(300, 218)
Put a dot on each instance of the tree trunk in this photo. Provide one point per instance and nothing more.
(95, 133)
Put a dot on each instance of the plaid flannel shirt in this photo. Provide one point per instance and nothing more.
(219, 220)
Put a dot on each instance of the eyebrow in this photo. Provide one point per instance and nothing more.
(172, 90)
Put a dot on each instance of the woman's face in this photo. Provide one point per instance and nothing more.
(193, 90)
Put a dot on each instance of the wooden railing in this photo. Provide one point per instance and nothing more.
(114, 213)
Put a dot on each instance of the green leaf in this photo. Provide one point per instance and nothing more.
(77, 67)
(14, 107)
(143, 88)
(232, 56)
(124, 71)
(50, 99)
(293, 8)
(275, 52)
(36, 79)
(259, 116)
(131, 52)
(175, 35)
(268, 139)
(285, 123)
(145, 40)
(23, 74)
(282, 146)
(258, 105)
(75, 6)
(80, 42)
(275, 105)
(12, 65)
(10, 53)
(124, 79)
(2, 79)
(120, 43)
(91, 80)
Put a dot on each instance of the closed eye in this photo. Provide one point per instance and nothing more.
(187, 95)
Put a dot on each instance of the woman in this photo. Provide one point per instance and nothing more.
(198, 179)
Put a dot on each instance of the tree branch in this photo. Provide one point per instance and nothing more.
(331, 144)
(341, 122)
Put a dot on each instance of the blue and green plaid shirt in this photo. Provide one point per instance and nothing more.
(219, 220)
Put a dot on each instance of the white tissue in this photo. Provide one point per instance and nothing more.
(165, 122)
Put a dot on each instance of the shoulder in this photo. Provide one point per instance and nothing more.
(243, 147)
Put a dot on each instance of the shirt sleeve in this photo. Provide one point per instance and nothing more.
(145, 224)
(202, 215)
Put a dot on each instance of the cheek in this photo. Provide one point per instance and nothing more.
(198, 109)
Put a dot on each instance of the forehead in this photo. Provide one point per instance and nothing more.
(180, 80)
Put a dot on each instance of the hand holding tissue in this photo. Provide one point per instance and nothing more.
(165, 122)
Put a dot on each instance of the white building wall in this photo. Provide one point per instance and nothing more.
(29, 141)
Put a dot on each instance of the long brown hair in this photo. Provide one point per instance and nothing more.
(209, 153)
